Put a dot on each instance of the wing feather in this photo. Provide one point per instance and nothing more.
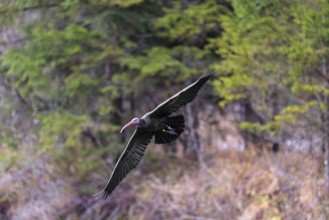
(181, 98)
(128, 160)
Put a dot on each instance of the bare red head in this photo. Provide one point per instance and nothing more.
(134, 121)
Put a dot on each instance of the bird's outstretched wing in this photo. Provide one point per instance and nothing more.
(128, 160)
(181, 98)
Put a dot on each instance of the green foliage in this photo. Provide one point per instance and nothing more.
(76, 82)
(288, 115)
(8, 158)
(124, 3)
(157, 60)
(78, 62)
(64, 125)
(181, 23)
(273, 52)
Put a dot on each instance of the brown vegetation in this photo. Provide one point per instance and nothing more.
(227, 185)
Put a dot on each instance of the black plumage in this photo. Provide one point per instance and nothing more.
(159, 123)
(128, 160)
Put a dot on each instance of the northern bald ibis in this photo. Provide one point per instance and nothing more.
(157, 123)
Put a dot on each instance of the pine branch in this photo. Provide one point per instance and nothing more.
(29, 8)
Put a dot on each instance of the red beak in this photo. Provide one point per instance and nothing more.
(128, 125)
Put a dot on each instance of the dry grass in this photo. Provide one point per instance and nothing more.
(227, 185)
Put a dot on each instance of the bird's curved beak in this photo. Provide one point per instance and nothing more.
(128, 125)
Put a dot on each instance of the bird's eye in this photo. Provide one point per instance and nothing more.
(142, 123)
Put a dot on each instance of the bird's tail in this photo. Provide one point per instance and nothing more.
(172, 128)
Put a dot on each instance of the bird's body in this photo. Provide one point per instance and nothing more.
(158, 123)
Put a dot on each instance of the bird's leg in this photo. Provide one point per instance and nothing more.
(169, 130)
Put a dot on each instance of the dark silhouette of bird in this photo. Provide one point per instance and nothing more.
(158, 123)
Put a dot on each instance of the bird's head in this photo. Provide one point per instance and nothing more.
(134, 121)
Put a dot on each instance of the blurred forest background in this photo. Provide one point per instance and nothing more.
(256, 144)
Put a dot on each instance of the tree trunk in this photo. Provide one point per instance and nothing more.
(326, 117)
(192, 143)
(326, 155)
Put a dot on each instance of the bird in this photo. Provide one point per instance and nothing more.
(159, 123)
